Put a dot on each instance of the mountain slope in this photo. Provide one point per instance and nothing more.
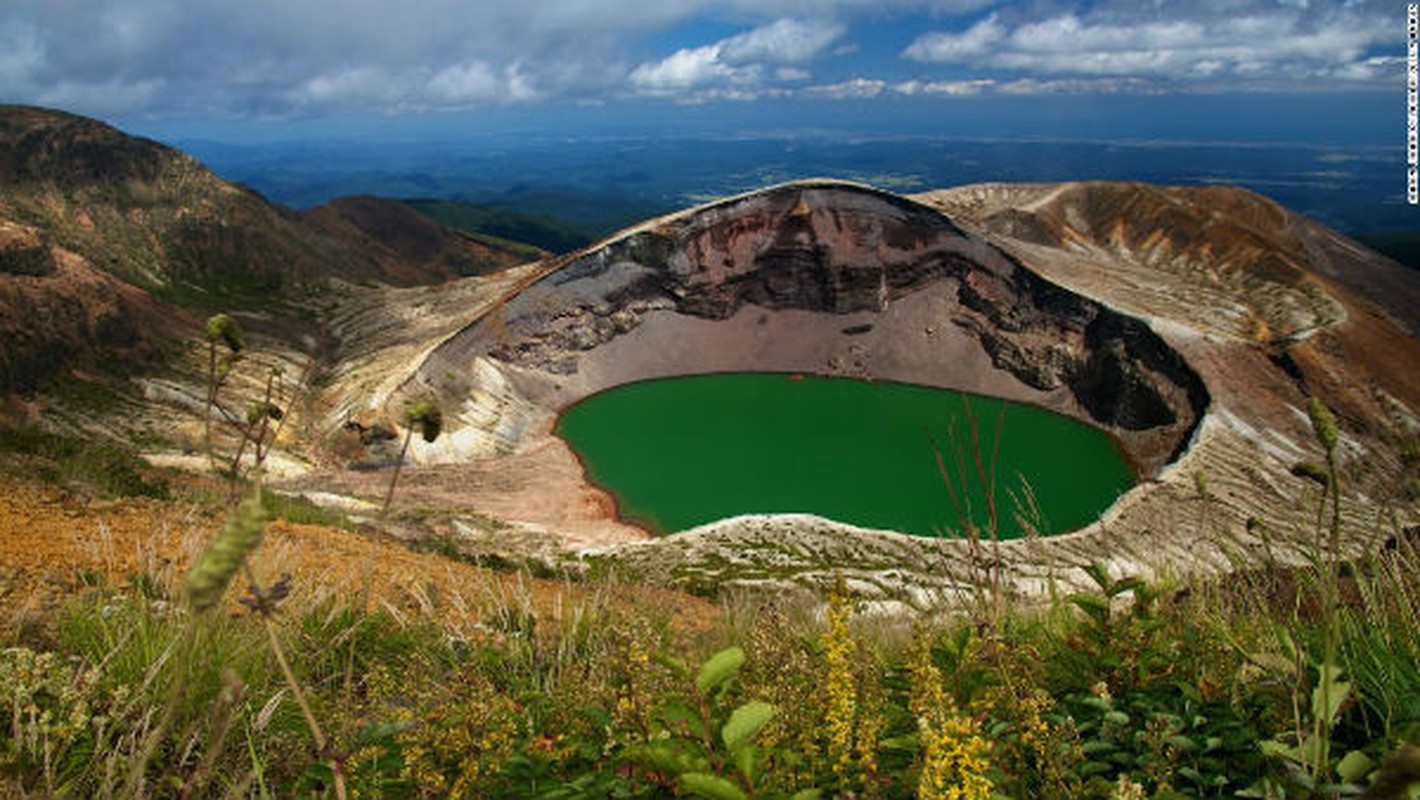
(411, 248)
(124, 244)
(1335, 316)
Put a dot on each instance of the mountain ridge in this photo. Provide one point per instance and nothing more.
(162, 241)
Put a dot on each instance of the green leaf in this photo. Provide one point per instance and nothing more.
(1265, 787)
(1182, 743)
(1124, 585)
(747, 759)
(1094, 605)
(670, 662)
(1191, 774)
(1354, 766)
(670, 758)
(381, 731)
(806, 794)
(1099, 573)
(1330, 694)
(719, 668)
(677, 713)
(1276, 749)
(744, 723)
(906, 744)
(711, 786)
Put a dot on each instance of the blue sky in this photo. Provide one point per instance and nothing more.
(253, 67)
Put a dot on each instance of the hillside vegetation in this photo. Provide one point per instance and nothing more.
(1277, 683)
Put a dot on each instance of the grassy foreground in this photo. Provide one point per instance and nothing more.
(1254, 685)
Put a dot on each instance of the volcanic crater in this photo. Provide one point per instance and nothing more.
(838, 279)
(816, 277)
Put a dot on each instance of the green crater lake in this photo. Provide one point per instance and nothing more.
(681, 452)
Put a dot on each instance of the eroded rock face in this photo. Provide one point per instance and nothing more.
(824, 277)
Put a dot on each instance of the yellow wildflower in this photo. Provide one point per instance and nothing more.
(840, 687)
(954, 761)
(1035, 731)
(954, 757)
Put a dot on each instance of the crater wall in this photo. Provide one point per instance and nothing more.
(820, 277)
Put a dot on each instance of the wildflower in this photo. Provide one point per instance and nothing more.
(954, 761)
(927, 695)
(852, 720)
(1101, 690)
(426, 416)
(1035, 731)
(840, 686)
(223, 328)
(954, 757)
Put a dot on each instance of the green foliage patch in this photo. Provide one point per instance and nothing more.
(110, 469)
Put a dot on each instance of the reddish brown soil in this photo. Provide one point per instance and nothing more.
(53, 544)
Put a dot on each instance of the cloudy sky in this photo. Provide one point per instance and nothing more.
(149, 61)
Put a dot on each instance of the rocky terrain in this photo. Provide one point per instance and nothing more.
(1192, 324)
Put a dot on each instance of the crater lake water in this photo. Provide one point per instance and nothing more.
(681, 452)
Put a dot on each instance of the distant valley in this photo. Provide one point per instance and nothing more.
(593, 185)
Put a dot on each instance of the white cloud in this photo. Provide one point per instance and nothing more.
(738, 61)
(309, 57)
(685, 69)
(1027, 86)
(944, 88)
(464, 83)
(784, 41)
(855, 89)
(978, 40)
(1266, 42)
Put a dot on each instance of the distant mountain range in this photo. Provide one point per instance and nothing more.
(598, 184)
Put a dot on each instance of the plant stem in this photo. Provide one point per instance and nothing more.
(398, 465)
(296, 691)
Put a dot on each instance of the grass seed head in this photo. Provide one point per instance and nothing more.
(1323, 422)
(223, 328)
(215, 568)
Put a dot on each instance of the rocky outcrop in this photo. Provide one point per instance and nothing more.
(22, 252)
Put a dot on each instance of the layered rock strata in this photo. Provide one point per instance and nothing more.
(818, 277)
